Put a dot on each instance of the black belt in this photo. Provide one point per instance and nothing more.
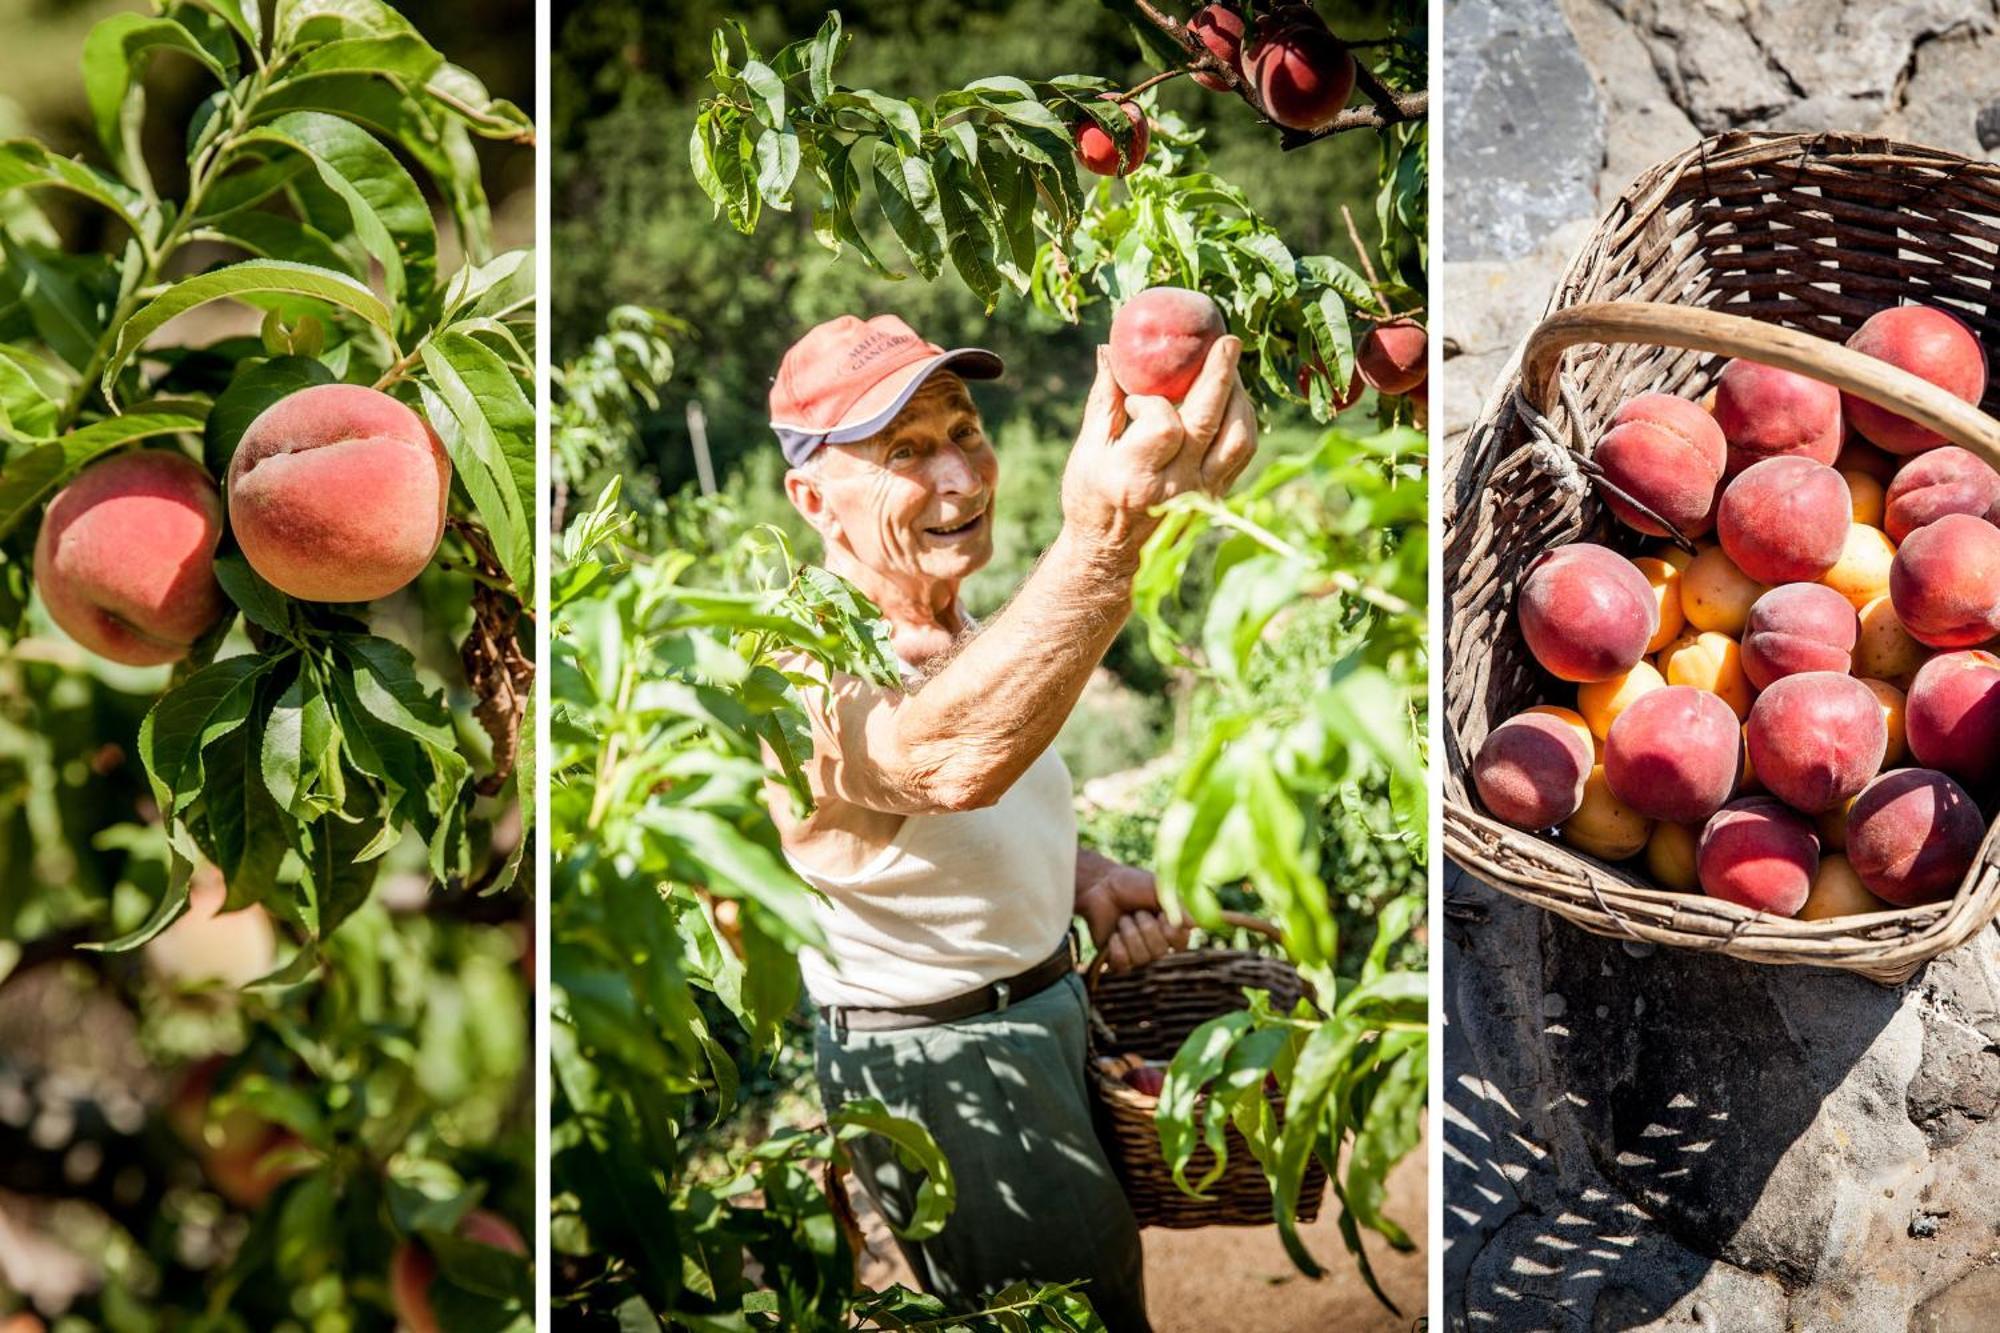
(992, 998)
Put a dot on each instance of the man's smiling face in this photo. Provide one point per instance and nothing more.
(914, 501)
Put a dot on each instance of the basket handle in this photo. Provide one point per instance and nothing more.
(1658, 324)
(1240, 919)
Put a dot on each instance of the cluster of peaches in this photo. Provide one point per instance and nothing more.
(1799, 716)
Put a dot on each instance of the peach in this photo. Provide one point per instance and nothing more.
(210, 946)
(1712, 662)
(1784, 520)
(1798, 627)
(1665, 581)
(412, 1270)
(1862, 572)
(1160, 339)
(1098, 150)
(1604, 826)
(1945, 582)
(1715, 594)
(1586, 612)
(1675, 754)
(1303, 73)
(239, 1151)
(1394, 356)
(1947, 480)
(337, 493)
(1816, 739)
(1953, 717)
(1838, 891)
(1667, 454)
(125, 560)
(1867, 496)
(1759, 855)
(1600, 702)
(1219, 29)
(1531, 770)
(1670, 857)
(1765, 412)
(1929, 343)
(1895, 719)
(1885, 650)
(1912, 835)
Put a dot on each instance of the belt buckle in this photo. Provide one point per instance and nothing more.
(1003, 994)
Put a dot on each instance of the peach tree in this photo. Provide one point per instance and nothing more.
(266, 554)
(676, 919)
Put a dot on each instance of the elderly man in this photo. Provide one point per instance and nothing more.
(944, 836)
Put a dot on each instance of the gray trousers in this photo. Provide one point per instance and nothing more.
(1004, 1096)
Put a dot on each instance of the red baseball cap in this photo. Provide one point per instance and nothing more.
(849, 377)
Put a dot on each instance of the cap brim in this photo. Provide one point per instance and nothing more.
(878, 407)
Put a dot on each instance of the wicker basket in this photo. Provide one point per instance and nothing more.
(1774, 247)
(1149, 1011)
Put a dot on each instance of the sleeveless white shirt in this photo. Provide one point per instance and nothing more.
(956, 901)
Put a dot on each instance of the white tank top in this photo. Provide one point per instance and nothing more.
(956, 901)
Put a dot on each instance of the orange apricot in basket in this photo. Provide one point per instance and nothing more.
(1953, 716)
(1798, 627)
(1664, 579)
(1765, 412)
(1866, 495)
(1912, 835)
(1670, 857)
(1601, 701)
(1712, 662)
(1945, 582)
(1862, 572)
(1857, 455)
(1715, 594)
(1675, 753)
(1666, 453)
(1885, 650)
(1838, 891)
(1531, 770)
(1895, 717)
(1816, 739)
(1760, 855)
(1586, 612)
(1931, 344)
(1603, 825)
(1785, 520)
(1831, 825)
(1942, 481)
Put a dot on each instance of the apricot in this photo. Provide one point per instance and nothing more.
(1947, 480)
(1931, 344)
(337, 493)
(1895, 719)
(1394, 356)
(1675, 753)
(1604, 826)
(1862, 572)
(1765, 412)
(1600, 702)
(1219, 29)
(1784, 520)
(1912, 835)
(1670, 857)
(1816, 739)
(1798, 627)
(1857, 455)
(1098, 150)
(1715, 594)
(1953, 716)
(1303, 73)
(1667, 454)
(1838, 891)
(125, 560)
(1665, 581)
(412, 1269)
(1867, 496)
(1759, 855)
(1831, 825)
(1945, 582)
(1885, 650)
(1586, 612)
(208, 945)
(1712, 662)
(1531, 769)
(1160, 339)
(1677, 557)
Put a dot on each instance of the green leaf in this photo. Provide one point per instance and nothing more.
(777, 166)
(908, 195)
(209, 705)
(165, 912)
(401, 55)
(113, 54)
(478, 408)
(767, 92)
(25, 164)
(828, 45)
(275, 236)
(490, 117)
(68, 309)
(261, 604)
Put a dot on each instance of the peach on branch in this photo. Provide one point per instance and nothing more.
(412, 1269)
(1932, 345)
(1587, 613)
(1098, 150)
(209, 945)
(1159, 340)
(1765, 412)
(337, 493)
(125, 560)
(1393, 356)
(1219, 29)
(1302, 72)
(1667, 454)
(1912, 834)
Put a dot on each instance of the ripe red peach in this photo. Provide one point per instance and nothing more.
(208, 945)
(1667, 454)
(1586, 612)
(1931, 344)
(1220, 31)
(1912, 835)
(1816, 739)
(1160, 338)
(1952, 717)
(1798, 627)
(1945, 582)
(412, 1270)
(1393, 357)
(125, 560)
(1531, 770)
(1303, 73)
(1784, 520)
(337, 493)
(1098, 150)
(1675, 754)
(1765, 412)
(1947, 480)
(1760, 855)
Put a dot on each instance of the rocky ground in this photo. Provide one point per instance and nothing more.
(1641, 1139)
